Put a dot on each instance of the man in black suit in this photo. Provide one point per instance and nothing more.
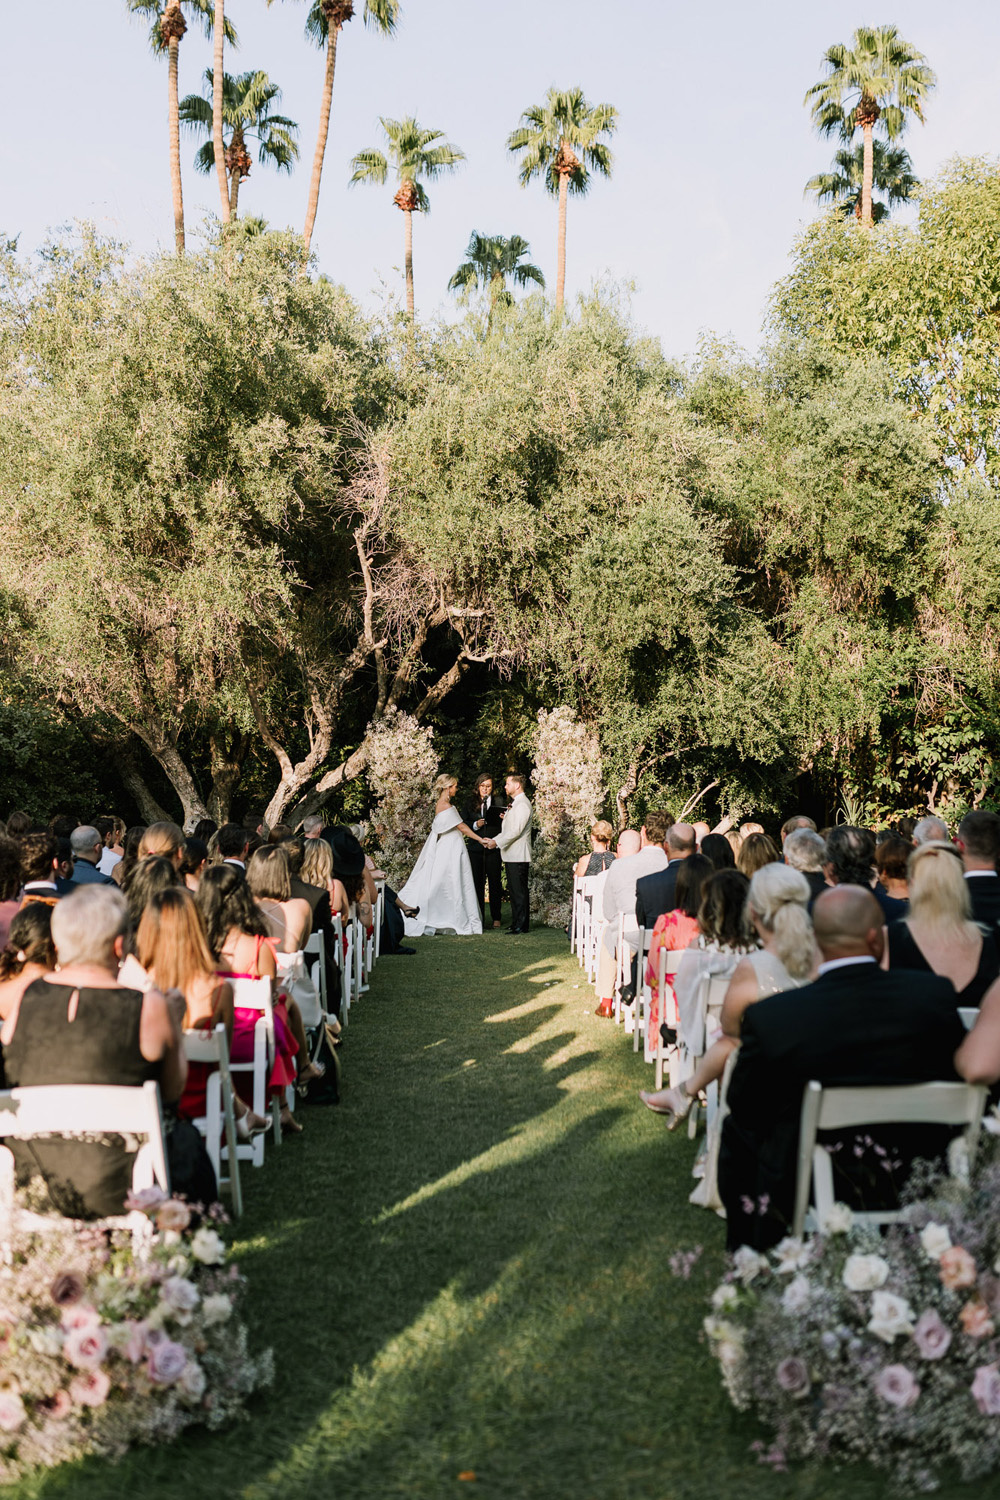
(979, 841)
(856, 1024)
(483, 815)
(655, 894)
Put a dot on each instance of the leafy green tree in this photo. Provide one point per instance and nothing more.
(166, 31)
(493, 261)
(562, 142)
(879, 79)
(247, 101)
(892, 176)
(413, 153)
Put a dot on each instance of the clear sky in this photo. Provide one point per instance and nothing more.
(711, 154)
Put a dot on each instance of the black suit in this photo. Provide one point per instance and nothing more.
(487, 864)
(984, 893)
(655, 895)
(856, 1025)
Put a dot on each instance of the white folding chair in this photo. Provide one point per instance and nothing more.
(847, 1108)
(255, 994)
(357, 967)
(77, 1109)
(316, 949)
(712, 994)
(379, 916)
(212, 1048)
(668, 963)
(575, 916)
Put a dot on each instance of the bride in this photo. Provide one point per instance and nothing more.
(441, 892)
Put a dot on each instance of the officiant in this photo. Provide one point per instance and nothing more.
(483, 814)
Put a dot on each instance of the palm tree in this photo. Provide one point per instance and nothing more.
(878, 80)
(892, 176)
(413, 153)
(167, 29)
(246, 109)
(551, 135)
(492, 261)
(218, 98)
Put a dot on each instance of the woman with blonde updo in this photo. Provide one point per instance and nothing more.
(938, 935)
(165, 839)
(602, 855)
(441, 890)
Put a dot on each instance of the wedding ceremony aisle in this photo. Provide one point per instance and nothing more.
(467, 1280)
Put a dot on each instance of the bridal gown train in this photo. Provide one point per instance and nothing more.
(441, 883)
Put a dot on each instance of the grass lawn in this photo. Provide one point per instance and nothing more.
(463, 1270)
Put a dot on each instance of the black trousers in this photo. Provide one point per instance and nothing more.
(517, 884)
(487, 868)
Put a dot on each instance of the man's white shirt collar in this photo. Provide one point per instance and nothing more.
(238, 862)
(971, 874)
(842, 963)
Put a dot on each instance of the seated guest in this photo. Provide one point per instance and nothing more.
(317, 879)
(978, 1058)
(777, 907)
(312, 826)
(805, 851)
(718, 851)
(204, 829)
(931, 831)
(39, 854)
(639, 854)
(27, 954)
(193, 862)
(279, 833)
(938, 936)
(112, 831)
(18, 824)
(892, 891)
(87, 846)
(232, 843)
(746, 829)
(289, 919)
(600, 856)
(675, 931)
(655, 893)
(701, 832)
(130, 855)
(793, 824)
(756, 851)
(165, 840)
(735, 841)
(10, 885)
(82, 1026)
(979, 842)
(855, 1024)
(147, 879)
(850, 856)
(64, 865)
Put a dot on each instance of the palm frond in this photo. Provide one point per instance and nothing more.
(369, 166)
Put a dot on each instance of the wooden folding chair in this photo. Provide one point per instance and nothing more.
(212, 1048)
(875, 1104)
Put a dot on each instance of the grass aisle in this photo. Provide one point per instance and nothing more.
(463, 1270)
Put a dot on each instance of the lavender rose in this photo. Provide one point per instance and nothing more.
(896, 1385)
(165, 1361)
(985, 1390)
(931, 1335)
(793, 1376)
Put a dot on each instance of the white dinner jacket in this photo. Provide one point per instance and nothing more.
(514, 838)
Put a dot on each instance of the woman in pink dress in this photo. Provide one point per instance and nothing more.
(675, 931)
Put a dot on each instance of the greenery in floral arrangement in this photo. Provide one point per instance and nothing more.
(568, 795)
(110, 1338)
(859, 1346)
(402, 765)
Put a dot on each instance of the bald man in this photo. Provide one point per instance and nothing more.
(855, 1024)
(639, 854)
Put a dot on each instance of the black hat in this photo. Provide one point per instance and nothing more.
(348, 855)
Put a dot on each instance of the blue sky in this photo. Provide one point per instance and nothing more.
(712, 151)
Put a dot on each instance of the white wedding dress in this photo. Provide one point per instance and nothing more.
(441, 883)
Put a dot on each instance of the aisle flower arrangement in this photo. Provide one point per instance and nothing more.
(856, 1345)
(109, 1338)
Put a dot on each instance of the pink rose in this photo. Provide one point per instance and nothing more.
(165, 1361)
(975, 1319)
(58, 1406)
(67, 1288)
(80, 1316)
(135, 1344)
(896, 1385)
(173, 1215)
(986, 1390)
(931, 1335)
(12, 1411)
(957, 1268)
(147, 1200)
(793, 1376)
(90, 1389)
(85, 1347)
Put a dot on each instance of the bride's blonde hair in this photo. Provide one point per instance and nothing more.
(443, 783)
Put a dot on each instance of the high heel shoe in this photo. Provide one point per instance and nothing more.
(672, 1103)
(248, 1125)
(410, 911)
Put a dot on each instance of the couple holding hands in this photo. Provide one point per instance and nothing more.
(447, 886)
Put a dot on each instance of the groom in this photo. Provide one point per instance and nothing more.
(484, 816)
(514, 843)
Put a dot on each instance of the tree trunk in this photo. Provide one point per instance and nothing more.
(408, 216)
(175, 145)
(219, 40)
(321, 134)
(227, 766)
(166, 752)
(561, 247)
(234, 193)
(150, 810)
(866, 183)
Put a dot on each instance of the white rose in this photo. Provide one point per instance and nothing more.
(46, 1340)
(729, 1353)
(863, 1273)
(208, 1247)
(891, 1316)
(748, 1264)
(718, 1328)
(724, 1298)
(192, 1382)
(797, 1295)
(216, 1309)
(792, 1256)
(839, 1220)
(935, 1240)
(180, 1298)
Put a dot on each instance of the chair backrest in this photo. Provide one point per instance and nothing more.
(968, 1015)
(75, 1109)
(256, 994)
(879, 1104)
(206, 1046)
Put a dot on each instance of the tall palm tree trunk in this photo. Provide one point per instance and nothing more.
(869, 172)
(561, 247)
(219, 39)
(175, 145)
(321, 134)
(234, 193)
(408, 218)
